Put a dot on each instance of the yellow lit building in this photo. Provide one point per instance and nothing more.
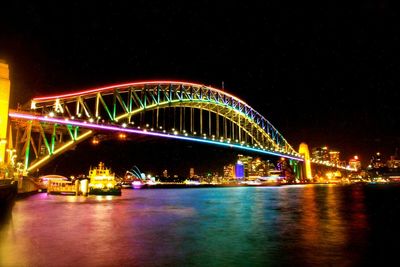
(334, 157)
(355, 163)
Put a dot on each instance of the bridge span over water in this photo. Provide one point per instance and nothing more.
(51, 125)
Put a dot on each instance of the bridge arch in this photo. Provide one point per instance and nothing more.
(121, 104)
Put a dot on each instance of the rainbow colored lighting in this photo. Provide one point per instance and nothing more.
(238, 106)
(135, 131)
(124, 85)
(59, 150)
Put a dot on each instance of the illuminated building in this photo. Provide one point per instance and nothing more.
(355, 163)
(229, 171)
(246, 162)
(258, 168)
(239, 170)
(393, 162)
(255, 166)
(377, 161)
(320, 153)
(248, 167)
(4, 104)
(334, 157)
(191, 173)
(165, 174)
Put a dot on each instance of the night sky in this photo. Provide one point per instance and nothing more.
(324, 74)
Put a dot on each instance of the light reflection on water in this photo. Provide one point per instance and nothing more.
(240, 226)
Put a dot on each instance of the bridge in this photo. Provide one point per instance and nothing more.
(51, 125)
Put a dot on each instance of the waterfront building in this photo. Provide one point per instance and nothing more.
(191, 173)
(229, 171)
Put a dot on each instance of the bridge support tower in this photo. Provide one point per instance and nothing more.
(304, 151)
(4, 105)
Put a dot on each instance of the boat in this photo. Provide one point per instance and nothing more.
(253, 182)
(43, 182)
(126, 184)
(102, 181)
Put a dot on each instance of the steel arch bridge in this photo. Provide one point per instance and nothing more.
(174, 109)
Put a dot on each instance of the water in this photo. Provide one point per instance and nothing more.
(239, 226)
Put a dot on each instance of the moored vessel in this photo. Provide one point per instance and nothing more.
(102, 181)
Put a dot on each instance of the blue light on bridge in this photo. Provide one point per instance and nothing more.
(142, 132)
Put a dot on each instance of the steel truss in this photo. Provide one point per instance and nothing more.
(164, 106)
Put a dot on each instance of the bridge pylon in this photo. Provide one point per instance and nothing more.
(4, 106)
(304, 151)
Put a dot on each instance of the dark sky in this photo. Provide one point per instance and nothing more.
(324, 74)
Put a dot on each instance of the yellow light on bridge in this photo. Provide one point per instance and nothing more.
(4, 105)
(305, 153)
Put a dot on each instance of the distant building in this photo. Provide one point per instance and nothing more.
(355, 163)
(258, 168)
(334, 157)
(165, 174)
(239, 170)
(377, 161)
(246, 162)
(229, 171)
(247, 167)
(320, 153)
(393, 162)
(191, 173)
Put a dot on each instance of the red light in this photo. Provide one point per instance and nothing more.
(95, 90)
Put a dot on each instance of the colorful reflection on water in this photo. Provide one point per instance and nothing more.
(310, 225)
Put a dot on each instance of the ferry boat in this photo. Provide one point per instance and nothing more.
(43, 182)
(102, 181)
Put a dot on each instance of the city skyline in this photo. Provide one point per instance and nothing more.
(321, 83)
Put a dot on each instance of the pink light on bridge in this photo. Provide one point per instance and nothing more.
(144, 132)
(124, 85)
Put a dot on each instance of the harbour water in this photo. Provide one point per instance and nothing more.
(305, 225)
